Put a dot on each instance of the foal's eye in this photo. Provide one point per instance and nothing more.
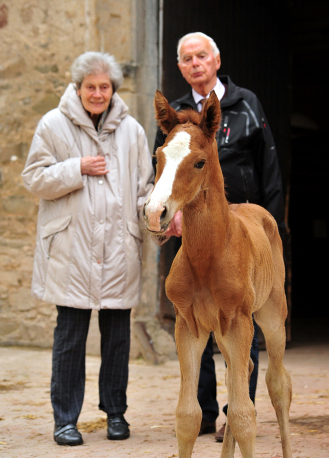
(199, 165)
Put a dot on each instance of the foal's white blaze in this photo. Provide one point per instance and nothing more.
(176, 150)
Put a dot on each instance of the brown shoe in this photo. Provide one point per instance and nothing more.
(219, 436)
(207, 427)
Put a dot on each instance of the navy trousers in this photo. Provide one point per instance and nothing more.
(68, 365)
(207, 389)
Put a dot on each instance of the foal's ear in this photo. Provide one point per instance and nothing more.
(210, 115)
(164, 114)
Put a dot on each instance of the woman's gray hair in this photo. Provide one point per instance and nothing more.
(93, 63)
(213, 45)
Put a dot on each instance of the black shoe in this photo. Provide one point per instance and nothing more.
(207, 427)
(219, 436)
(117, 427)
(67, 435)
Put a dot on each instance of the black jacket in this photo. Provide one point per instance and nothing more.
(246, 150)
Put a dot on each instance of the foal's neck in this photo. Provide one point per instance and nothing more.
(206, 218)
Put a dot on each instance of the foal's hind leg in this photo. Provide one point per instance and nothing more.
(188, 412)
(271, 319)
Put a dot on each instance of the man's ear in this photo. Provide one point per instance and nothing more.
(218, 62)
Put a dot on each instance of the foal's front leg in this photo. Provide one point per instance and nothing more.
(241, 411)
(188, 412)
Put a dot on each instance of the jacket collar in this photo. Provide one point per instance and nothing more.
(232, 96)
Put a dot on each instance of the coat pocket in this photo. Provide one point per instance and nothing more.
(51, 229)
(134, 230)
(136, 240)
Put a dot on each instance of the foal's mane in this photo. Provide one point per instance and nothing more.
(189, 115)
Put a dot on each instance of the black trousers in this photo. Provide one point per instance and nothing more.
(68, 365)
(207, 389)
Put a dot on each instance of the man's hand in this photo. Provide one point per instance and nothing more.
(94, 166)
(175, 226)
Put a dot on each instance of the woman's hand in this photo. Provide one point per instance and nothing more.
(94, 166)
(175, 226)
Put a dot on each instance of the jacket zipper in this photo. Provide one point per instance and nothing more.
(246, 185)
(226, 131)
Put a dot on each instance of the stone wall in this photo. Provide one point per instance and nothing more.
(39, 41)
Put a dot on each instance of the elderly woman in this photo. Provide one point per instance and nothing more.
(90, 166)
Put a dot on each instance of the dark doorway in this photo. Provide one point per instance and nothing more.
(279, 52)
(309, 206)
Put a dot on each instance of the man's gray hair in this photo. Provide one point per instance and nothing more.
(214, 47)
(93, 63)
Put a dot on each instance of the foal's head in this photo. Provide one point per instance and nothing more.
(184, 161)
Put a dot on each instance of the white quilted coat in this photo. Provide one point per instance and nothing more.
(88, 251)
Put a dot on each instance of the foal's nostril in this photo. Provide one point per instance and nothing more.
(163, 214)
(144, 215)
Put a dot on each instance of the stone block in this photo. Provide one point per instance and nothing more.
(163, 342)
(135, 350)
(35, 331)
(3, 292)
(9, 262)
(155, 344)
(44, 308)
(13, 150)
(7, 327)
(12, 243)
(11, 278)
(19, 205)
(13, 67)
(49, 102)
(47, 68)
(31, 314)
(21, 300)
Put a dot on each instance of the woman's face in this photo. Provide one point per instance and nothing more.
(96, 92)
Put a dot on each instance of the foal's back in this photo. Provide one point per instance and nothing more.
(263, 246)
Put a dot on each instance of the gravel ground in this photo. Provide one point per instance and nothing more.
(26, 422)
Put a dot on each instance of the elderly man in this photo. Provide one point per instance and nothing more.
(250, 167)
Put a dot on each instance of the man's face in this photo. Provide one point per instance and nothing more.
(197, 62)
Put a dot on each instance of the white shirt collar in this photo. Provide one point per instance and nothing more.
(219, 90)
